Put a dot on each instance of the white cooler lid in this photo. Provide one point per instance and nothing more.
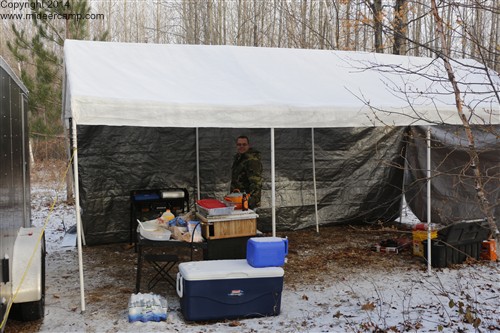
(225, 269)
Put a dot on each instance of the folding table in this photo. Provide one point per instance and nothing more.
(162, 263)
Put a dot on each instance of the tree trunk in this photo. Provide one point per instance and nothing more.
(400, 22)
(377, 21)
(303, 24)
(418, 30)
(255, 25)
(493, 42)
(208, 24)
(337, 26)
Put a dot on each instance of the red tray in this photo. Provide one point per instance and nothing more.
(210, 203)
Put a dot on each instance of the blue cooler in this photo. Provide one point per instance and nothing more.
(267, 251)
(226, 289)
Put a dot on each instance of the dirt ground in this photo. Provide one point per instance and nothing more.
(313, 256)
(333, 253)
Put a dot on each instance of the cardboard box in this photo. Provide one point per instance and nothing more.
(418, 237)
(228, 289)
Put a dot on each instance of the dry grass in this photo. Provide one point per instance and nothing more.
(48, 171)
(339, 250)
(46, 148)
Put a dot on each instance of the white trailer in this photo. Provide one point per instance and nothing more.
(22, 246)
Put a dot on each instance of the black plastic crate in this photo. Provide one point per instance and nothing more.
(464, 233)
(445, 254)
(456, 243)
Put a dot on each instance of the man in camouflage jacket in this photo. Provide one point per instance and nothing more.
(246, 172)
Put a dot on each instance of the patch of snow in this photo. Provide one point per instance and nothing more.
(49, 210)
(447, 300)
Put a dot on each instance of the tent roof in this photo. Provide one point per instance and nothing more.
(163, 85)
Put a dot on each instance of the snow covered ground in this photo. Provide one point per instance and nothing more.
(463, 299)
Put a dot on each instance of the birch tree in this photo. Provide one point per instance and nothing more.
(444, 54)
(452, 24)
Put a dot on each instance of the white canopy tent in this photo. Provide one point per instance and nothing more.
(125, 84)
(195, 86)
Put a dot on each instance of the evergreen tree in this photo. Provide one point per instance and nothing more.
(40, 53)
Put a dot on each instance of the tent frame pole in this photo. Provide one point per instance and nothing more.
(429, 174)
(78, 217)
(198, 194)
(314, 180)
(273, 185)
(403, 205)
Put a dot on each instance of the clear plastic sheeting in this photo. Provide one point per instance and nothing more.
(454, 196)
(358, 171)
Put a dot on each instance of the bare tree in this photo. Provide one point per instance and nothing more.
(404, 26)
(470, 27)
(444, 54)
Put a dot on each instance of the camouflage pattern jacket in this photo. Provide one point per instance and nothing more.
(246, 175)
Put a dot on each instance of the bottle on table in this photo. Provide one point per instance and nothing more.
(244, 201)
(167, 216)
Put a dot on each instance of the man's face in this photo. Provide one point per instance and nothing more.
(242, 145)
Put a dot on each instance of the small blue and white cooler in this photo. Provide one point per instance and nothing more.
(225, 289)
